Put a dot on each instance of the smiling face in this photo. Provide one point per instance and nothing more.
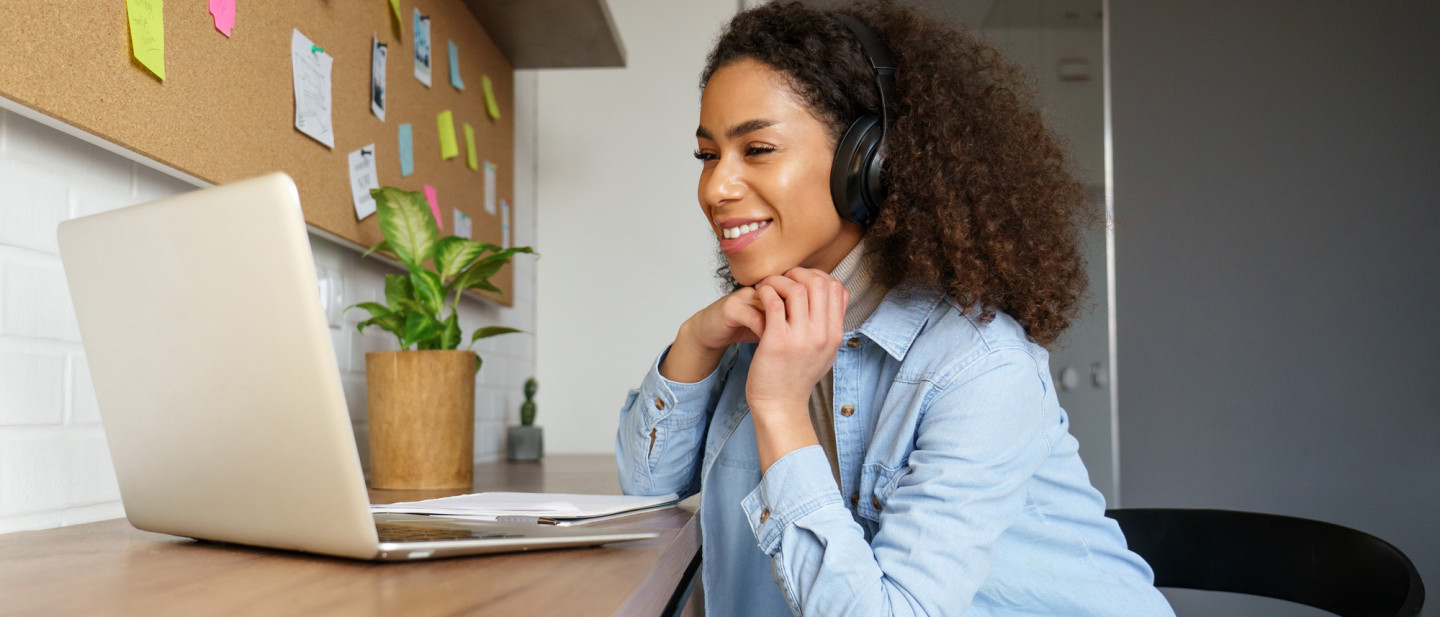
(765, 185)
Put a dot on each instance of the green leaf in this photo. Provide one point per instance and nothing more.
(397, 289)
(450, 336)
(491, 331)
(478, 362)
(376, 309)
(429, 290)
(419, 328)
(452, 254)
(477, 275)
(391, 322)
(379, 246)
(407, 223)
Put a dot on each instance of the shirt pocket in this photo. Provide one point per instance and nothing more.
(877, 483)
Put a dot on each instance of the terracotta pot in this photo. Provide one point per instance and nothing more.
(422, 419)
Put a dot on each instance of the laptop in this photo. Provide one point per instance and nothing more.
(219, 390)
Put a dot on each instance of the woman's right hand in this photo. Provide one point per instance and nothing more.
(737, 317)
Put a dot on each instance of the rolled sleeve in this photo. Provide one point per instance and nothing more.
(660, 439)
(792, 488)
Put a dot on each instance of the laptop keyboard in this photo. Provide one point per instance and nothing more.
(401, 532)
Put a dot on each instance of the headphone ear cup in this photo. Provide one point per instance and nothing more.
(855, 183)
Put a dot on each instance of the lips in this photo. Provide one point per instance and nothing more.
(736, 234)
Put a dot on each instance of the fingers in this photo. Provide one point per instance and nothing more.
(797, 304)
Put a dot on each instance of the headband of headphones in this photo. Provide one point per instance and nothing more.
(880, 61)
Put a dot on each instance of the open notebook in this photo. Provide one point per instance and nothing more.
(548, 508)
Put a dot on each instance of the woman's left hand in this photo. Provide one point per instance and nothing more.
(804, 313)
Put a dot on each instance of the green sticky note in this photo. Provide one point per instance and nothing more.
(446, 124)
(470, 158)
(490, 97)
(147, 33)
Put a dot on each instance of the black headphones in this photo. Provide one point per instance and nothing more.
(856, 185)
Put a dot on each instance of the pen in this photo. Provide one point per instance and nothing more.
(533, 520)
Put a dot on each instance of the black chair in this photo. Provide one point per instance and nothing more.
(1332, 568)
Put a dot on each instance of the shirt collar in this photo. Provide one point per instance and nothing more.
(898, 321)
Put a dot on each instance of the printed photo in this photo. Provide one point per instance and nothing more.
(378, 51)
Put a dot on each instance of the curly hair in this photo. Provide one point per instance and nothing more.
(981, 205)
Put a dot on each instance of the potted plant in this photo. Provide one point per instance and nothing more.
(422, 398)
(527, 441)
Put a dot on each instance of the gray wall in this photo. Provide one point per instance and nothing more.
(1277, 197)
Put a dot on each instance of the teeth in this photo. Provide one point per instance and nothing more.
(736, 232)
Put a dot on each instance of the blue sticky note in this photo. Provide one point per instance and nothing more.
(455, 67)
(407, 151)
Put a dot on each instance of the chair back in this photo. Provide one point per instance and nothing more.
(1330, 567)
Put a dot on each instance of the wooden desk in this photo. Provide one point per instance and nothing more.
(111, 568)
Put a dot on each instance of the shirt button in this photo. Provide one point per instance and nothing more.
(765, 515)
(853, 343)
(875, 501)
(660, 403)
(847, 411)
(855, 499)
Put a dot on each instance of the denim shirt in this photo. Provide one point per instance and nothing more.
(962, 490)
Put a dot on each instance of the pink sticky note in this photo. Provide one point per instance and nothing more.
(434, 205)
(224, 12)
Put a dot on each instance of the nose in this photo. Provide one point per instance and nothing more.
(723, 182)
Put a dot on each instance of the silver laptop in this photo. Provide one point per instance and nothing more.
(218, 386)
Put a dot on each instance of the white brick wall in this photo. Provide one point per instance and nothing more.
(55, 467)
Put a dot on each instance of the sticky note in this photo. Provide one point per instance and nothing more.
(422, 48)
(455, 67)
(363, 177)
(224, 13)
(490, 187)
(310, 70)
(407, 151)
(395, 8)
(378, 54)
(504, 224)
(462, 224)
(470, 158)
(445, 123)
(147, 33)
(434, 205)
(490, 104)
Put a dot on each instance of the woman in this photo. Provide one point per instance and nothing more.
(869, 412)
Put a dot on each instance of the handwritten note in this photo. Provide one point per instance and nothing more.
(422, 48)
(147, 33)
(455, 67)
(224, 13)
(490, 187)
(445, 123)
(471, 160)
(504, 224)
(463, 227)
(431, 197)
(407, 151)
(490, 104)
(363, 177)
(310, 68)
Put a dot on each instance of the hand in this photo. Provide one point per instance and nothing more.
(735, 318)
(804, 317)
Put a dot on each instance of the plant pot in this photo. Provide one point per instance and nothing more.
(422, 419)
(525, 443)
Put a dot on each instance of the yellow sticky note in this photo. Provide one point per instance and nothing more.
(490, 97)
(470, 159)
(395, 8)
(446, 124)
(147, 33)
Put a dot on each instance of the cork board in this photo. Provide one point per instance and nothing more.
(226, 110)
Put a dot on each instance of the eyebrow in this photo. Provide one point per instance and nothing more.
(748, 126)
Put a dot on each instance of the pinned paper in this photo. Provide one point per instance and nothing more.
(224, 13)
(422, 48)
(504, 224)
(147, 33)
(407, 151)
(490, 104)
(378, 53)
(363, 177)
(434, 205)
(462, 224)
(490, 187)
(455, 67)
(470, 159)
(310, 68)
(395, 8)
(445, 123)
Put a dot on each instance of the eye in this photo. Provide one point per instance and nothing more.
(758, 150)
(704, 156)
